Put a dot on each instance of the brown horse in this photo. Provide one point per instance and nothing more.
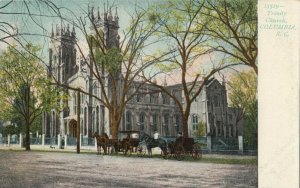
(102, 141)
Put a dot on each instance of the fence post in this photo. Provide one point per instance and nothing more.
(59, 141)
(241, 144)
(66, 141)
(8, 140)
(21, 140)
(43, 139)
(208, 143)
(80, 140)
(96, 143)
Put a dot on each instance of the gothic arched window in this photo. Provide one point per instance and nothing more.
(74, 103)
(67, 65)
(97, 120)
(142, 121)
(154, 122)
(166, 123)
(128, 120)
(195, 122)
(85, 122)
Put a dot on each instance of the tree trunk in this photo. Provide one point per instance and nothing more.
(27, 141)
(27, 119)
(114, 125)
(114, 131)
(185, 126)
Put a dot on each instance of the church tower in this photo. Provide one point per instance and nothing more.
(62, 66)
(104, 27)
(62, 54)
(106, 24)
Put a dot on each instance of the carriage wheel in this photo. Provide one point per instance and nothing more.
(164, 154)
(179, 152)
(141, 151)
(169, 153)
(196, 152)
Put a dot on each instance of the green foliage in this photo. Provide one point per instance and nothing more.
(200, 132)
(25, 89)
(9, 129)
(243, 91)
(243, 95)
(111, 60)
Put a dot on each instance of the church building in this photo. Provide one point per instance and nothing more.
(151, 112)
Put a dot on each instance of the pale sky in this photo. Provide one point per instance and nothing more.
(77, 7)
(70, 9)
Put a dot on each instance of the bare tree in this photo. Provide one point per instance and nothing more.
(186, 41)
(232, 25)
(115, 62)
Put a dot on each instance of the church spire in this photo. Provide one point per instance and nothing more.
(52, 32)
(92, 13)
(110, 15)
(165, 81)
(99, 18)
(73, 31)
(117, 17)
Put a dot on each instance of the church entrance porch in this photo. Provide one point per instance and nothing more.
(72, 128)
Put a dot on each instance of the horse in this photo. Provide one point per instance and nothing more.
(102, 141)
(152, 143)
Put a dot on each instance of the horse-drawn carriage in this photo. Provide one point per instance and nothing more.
(182, 147)
(147, 143)
(127, 143)
(141, 143)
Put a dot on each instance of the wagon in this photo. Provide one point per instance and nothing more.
(128, 142)
(181, 148)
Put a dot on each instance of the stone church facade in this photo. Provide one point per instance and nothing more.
(151, 112)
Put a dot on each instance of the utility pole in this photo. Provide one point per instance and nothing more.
(78, 121)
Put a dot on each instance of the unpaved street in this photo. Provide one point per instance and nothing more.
(52, 169)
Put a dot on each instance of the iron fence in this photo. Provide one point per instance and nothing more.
(3, 140)
(87, 141)
(71, 141)
(36, 141)
(219, 144)
(51, 141)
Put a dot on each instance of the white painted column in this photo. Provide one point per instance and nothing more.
(241, 145)
(80, 141)
(59, 141)
(21, 140)
(43, 139)
(8, 140)
(66, 141)
(208, 143)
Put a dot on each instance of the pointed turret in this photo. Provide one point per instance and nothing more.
(117, 17)
(105, 15)
(68, 30)
(110, 17)
(99, 17)
(57, 30)
(223, 81)
(92, 14)
(52, 32)
(165, 81)
(73, 32)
